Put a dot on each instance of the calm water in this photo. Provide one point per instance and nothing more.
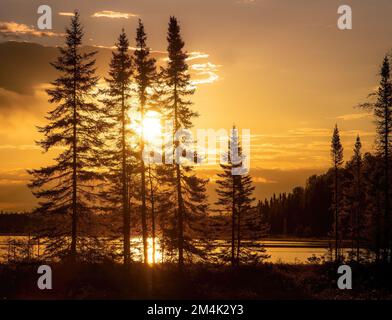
(285, 251)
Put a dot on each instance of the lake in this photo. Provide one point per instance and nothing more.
(281, 251)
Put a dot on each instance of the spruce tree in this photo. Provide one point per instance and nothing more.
(119, 156)
(228, 191)
(145, 77)
(353, 199)
(235, 190)
(67, 189)
(337, 161)
(357, 174)
(189, 190)
(382, 109)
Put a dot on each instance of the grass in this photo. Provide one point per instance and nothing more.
(265, 282)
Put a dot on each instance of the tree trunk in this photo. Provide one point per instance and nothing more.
(180, 207)
(74, 177)
(233, 215)
(143, 188)
(144, 213)
(152, 215)
(378, 228)
(386, 189)
(238, 236)
(125, 204)
(358, 211)
(180, 218)
(336, 217)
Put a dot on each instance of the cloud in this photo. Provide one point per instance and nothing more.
(194, 55)
(313, 132)
(27, 66)
(12, 104)
(105, 47)
(206, 72)
(203, 73)
(354, 116)
(263, 180)
(304, 147)
(14, 176)
(27, 69)
(66, 14)
(17, 30)
(21, 147)
(197, 55)
(246, 1)
(113, 14)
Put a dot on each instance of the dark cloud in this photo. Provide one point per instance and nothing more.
(12, 104)
(26, 65)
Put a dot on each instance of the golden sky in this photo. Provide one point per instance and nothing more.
(280, 68)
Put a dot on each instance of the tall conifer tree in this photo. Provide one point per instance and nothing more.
(67, 189)
(235, 195)
(337, 161)
(145, 77)
(357, 174)
(382, 109)
(353, 198)
(190, 197)
(119, 156)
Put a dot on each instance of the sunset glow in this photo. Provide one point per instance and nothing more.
(151, 127)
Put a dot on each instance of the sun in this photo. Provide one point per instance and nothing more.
(158, 251)
(151, 128)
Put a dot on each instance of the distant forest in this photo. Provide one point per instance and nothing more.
(308, 211)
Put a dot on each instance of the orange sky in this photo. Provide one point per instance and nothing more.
(280, 68)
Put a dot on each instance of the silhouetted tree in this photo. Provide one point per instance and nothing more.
(145, 77)
(235, 190)
(119, 155)
(228, 189)
(67, 189)
(352, 198)
(337, 161)
(382, 109)
(190, 190)
(357, 173)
